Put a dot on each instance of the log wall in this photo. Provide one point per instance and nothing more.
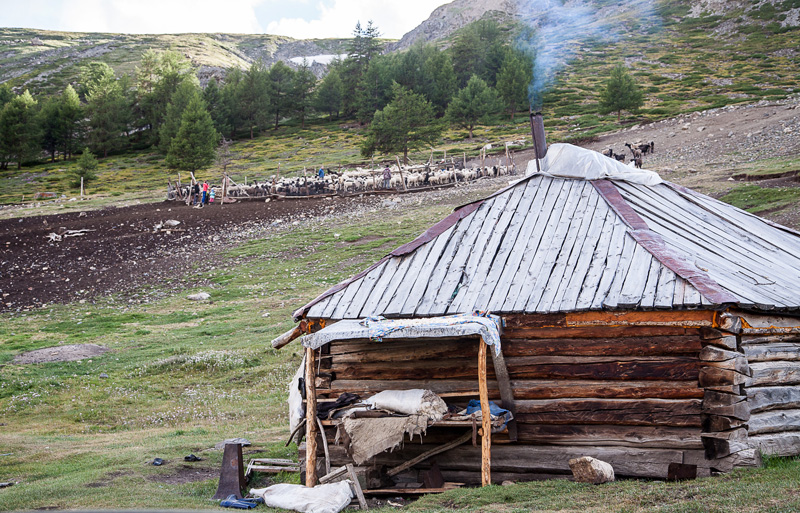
(772, 347)
(641, 395)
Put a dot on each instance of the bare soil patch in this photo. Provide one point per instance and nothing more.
(68, 353)
(185, 474)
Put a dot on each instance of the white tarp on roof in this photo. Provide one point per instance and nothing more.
(377, 328)
(569, 161)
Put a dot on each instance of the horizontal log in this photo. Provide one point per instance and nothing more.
(614, 368)
(716, 354)
(720, 445)
(609, 435)
(644, 346)
(532, 389)
(599, 332)
(727, 389)
(767, 322)
(749, 340)
(473, 478)
(728, 342)
(713, 376)
(717, 423)
(775, 421)
(777, 444)
(737, 364)
(714, 399)
(644, 412)
(773, 398)
(789, 351)
(741, 459)
(739, 410)
(682, 318)
(774, 373)
(400, 351)
(730, 323)
(515, 321)
(439, 368)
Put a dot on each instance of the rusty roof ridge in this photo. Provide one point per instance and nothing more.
(656, 246)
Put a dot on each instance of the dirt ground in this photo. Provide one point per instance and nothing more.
(121, 250)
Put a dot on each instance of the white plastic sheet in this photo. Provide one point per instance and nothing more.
(569, 161)
(324, 498)
(297, 411)
(410, 402)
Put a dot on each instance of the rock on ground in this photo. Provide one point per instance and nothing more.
(591, 470)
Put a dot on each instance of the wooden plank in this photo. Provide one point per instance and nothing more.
(364, 290)
(550, 298)
(773, 398)
(720, 445)
(423, 283)
(430, 453)
(661, 437)
(644, 346)
(411, 279)
(400, 276)
(717, 423)
(691, 296)
(688, 319)
(399, 351)
(463, 230)
(775, 421)
(713, 376)
(649, 412)
(512, 251)
(330, 304)
(441, 368)
(774, 374)
(311, 418)
(777, 444)
(608, 246)
(611, 368)
(555, 239)
(766, 338)
(531, 389)
(362, 502)
(608, 297)
(455, 272)
(665, 289)
(528, 244)
(633, 287)
(651, 285)
(484, 257)
(506, 391)
(599, 331)
(766, 322)
(486, 419)
(741, 459)
(385, 277)
(772, 352)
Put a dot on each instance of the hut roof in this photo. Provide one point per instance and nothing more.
(600, 236)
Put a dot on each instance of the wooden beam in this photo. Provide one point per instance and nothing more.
(506, 391)
(282, 340)
(486, 419)
(681, 318)
(311, 418)
(427, 454)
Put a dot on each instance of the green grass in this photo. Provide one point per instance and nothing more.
(756, 199)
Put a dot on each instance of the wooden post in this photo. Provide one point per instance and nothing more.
(311, 418)
(224, 188)
(486, 418)
(465, 160)
(400, 170)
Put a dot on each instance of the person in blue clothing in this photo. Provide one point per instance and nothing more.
(321, 173)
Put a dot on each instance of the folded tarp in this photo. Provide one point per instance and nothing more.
(324, 498)
(485, 326)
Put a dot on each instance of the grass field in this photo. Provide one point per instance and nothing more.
(182, 376)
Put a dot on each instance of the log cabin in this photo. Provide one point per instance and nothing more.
(644, 324)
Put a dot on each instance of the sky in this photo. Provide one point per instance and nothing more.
(301, 19)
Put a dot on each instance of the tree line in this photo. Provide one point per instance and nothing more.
(405, 98)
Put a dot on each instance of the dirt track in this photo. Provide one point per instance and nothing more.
(122, 250)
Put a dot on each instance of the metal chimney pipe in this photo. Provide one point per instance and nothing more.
(539, 140)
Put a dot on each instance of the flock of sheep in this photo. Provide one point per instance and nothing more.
(361, 180)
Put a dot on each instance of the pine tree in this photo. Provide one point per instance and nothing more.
(106, 107)
(87, 165)
(252, 94)
(49, 126)
(194, 145)
(329, 93)
(71, 118)
(184, 94)
(407, 123)
(303, 91)
(279, 88)
(515, 75)
(472, 104)
(621, 93)
(18, 130)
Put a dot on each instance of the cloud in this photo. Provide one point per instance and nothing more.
(337, 18)
(160, 16)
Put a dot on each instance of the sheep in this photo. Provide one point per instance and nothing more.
(608, 152)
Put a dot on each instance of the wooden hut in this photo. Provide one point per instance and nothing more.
(647, 325)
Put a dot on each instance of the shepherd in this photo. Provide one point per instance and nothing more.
(387, 178)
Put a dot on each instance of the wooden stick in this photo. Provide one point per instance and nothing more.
(427, 454)
(311, 418)
(400, 170)
(287, 337)
(506, 391)
(325, 447)
(486, 418)
(362, 501)
(81, 187)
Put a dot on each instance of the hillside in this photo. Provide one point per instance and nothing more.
(45, 61)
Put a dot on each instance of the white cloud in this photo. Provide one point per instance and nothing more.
(160, 16)
(338, 19)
